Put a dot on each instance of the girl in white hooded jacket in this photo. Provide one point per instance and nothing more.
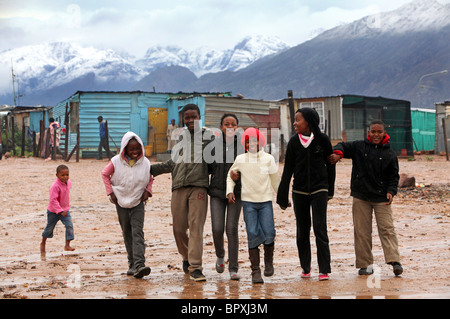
(128, 182)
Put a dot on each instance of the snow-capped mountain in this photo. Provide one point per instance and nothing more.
(43, 67)
(416, 16)
(204, 60)
(381, 55)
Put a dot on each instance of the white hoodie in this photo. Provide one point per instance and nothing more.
(130, 182)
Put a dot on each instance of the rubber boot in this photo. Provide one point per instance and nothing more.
(268, 259)
(254, 261)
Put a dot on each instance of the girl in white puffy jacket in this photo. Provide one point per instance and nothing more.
(128, 182)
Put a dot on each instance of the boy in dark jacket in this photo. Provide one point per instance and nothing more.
(373, 186)
(190, 181)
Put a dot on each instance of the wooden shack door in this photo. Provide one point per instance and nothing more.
(157, 129)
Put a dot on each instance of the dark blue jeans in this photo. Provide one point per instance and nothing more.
(52, 219)
(259, 223)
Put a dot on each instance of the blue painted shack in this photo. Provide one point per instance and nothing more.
(145, 113)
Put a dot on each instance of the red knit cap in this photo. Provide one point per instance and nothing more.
(253, 132)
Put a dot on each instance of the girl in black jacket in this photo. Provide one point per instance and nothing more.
(225, 215)
(313, 186)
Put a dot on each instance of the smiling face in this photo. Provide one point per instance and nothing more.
(252, 145)
(377, 133)
(63, 175)
(189, 118)
(229, 126)
(300, 124)
(133, 149)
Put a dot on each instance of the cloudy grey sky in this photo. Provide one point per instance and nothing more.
(134, 26)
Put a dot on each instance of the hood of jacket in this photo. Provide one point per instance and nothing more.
(385, 140)
(125, 140)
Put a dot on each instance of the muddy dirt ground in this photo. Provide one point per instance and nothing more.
(96, 269)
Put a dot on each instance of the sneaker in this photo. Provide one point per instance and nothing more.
(365, 271)
(397, 268)
(197, 275)
(186, 266)
(234, 276)
(305, 275)
(141, 272)
(131, 271)
(323, 277)
(220, 267)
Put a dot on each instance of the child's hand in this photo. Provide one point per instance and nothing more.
(231, 198)
(64, 213)
(113, 198)
(390, 198)
(234, 175)
(145, 196)
(333, 158)
(283, 208)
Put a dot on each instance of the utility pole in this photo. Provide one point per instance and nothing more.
(13, 76)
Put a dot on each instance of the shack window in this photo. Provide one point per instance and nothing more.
(353, 119)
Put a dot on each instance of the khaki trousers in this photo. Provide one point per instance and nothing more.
(362, 222)
(189, 207)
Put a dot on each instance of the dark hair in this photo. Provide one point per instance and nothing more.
(61, 168)
(51, 120)
(312, 117)
(380, 122)
(190, 107)
(227, 115)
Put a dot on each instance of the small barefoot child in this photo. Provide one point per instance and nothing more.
(58, 208)
(259, 174)
(128, 182)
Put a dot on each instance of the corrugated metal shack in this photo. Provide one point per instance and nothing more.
(423, 123)
(124, 111)
(148, 114)
(26, 119)
(250, 112)
(442, 114)
(346, 117)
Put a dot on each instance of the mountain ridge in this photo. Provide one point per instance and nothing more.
(384, 54)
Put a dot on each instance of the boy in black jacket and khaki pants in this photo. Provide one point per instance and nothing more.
(374, 184)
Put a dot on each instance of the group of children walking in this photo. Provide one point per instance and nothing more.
(243, 175)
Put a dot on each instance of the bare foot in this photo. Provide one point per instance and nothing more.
(43, 248)
(68, 248)
(42, 251)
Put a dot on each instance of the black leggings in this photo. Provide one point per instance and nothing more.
(318, 202)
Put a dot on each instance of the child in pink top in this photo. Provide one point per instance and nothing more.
(128, 183)
(58, 208)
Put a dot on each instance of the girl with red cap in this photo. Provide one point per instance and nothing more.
(259, 175)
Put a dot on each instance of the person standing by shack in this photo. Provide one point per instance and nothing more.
(104, 136)
(170, 140)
